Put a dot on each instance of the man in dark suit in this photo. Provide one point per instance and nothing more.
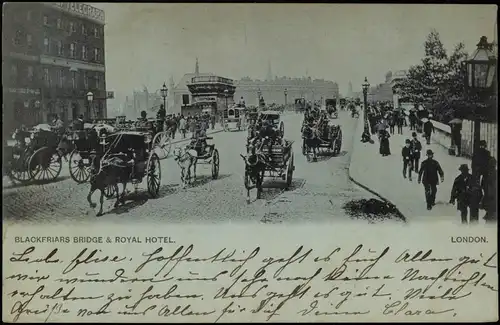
(462, 191)
(428, 129)
(416, 147)
(406, 152)
(428, 174)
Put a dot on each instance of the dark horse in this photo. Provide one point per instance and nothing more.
(107, 173)
(311, 140)
(255, 166)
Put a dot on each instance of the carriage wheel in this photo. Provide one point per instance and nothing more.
(338, 142)
(18, 169)
(153, 175)
(162, 144)
(109, 191)
(215, 164)
(45, 164)
(79, 169)
(282, 128)
(304, 147)
(289, 172)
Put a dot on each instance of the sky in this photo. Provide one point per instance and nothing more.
(146, 44)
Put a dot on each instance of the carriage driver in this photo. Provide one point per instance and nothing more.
(199, 140)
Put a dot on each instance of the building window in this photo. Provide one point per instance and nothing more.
(29, 40)
(46, 77)
(59, 23)
(97, 82)
(85, 80)
(28, 15)
(46, 20)
(13, 72)
(185, 99)
(30, 73)
(17, 38)
(46, 45)
(72, 50)
(84, 30)
(97, 56)
(84, 52)
(74, 79)
(60, 78)
(59, 48)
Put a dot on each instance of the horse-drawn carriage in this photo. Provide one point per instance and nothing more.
(267, 159)
(274, 117)
(233, 118)
(34, 155)
(128, 158)
(320, 136)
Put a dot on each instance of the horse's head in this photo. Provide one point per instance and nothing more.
(178, 153)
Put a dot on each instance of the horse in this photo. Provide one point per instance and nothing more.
(186, 159)
(107, 172)
(255, 166)
(311, 140)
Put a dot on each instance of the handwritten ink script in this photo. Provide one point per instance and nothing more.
(54, 282)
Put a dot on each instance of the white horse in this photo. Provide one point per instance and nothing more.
(186, 158)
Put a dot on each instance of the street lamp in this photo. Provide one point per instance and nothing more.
(481, 74)
(90, 99)
(164, 92)
(286, 94)
(226, 94)
(365, 86)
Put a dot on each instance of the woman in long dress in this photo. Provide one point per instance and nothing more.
(385, 149)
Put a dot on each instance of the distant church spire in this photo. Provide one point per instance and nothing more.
(197, 68)
(171, 82)
(269, 72)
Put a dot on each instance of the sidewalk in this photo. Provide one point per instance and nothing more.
(384, 176)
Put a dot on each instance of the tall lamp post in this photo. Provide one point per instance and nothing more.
(90, 99)
(226, 94)
(286, 94)
(259, 95)
(164, 93)
(481, 76)
(365, 86)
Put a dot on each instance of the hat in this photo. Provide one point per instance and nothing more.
(414, 134)
(463, 167)
(407, 141)
(429, 152)
(482, 143)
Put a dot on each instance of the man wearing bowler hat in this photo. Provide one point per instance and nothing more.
(428, 176)
(462, 192)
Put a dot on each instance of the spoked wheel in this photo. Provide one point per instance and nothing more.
(289, 172)
(45, 164)
(153, 175)
(248, 181)
(109, 191)
(304, 147)
(338, 143)
(215, 164)
(79, 167)
(18, 170)
(162, 144)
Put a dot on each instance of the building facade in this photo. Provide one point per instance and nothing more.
(52, 55)
(210, 93)
(142, 101)
(273, 90)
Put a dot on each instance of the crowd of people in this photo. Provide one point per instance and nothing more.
(469, 192)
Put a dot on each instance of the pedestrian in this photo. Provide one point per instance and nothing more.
(392, 123)
(489, 187)
(78, 124)
(428, 128)
(456, 138)
(480, 159)
(401, 121)
(461, 192)
(428, 174)
(406, 152)
(416, 149)
(212, 120)
(182, 126)
(385, 149)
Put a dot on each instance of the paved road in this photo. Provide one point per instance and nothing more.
(318, 193)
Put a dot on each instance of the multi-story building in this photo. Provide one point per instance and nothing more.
(142, 101)
(52, 55)
(273, 90)
(210, 94)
